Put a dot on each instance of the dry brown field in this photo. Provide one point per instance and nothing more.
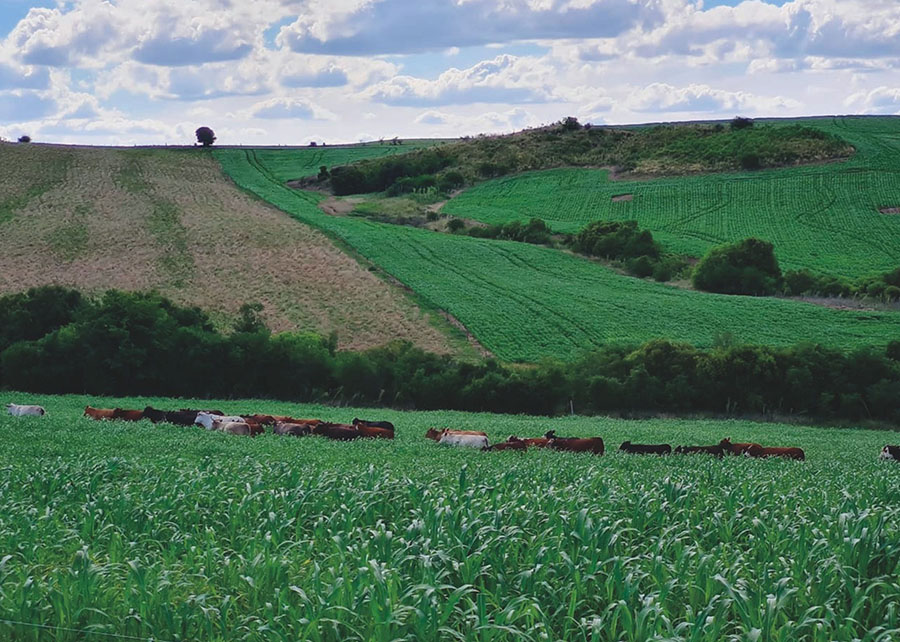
(170, 221)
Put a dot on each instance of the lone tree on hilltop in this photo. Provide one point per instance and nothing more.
(739, 122)
(206, 136)
(25, 139)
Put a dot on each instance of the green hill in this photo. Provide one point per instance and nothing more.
(826, 218)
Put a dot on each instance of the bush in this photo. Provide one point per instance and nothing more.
(570, 124)
(640, 267)
(450, 181)
(750, 162)
(738, 123)
(323, 174)
(747, 267)
(455, 225)
(892, 293)
(615, 240)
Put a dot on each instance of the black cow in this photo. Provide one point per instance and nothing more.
(891, 452)
(645, 449)
(387, 425)
(715, 451)
(154, 415)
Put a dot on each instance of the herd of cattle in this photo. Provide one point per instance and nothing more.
(255, 424)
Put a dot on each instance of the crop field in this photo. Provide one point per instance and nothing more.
(524, 302)
(182, 534)
(135, 219)
(825, 218)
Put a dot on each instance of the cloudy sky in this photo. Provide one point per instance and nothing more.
(292, 71)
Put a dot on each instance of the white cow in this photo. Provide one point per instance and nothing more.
(206, 419)
(463, 441)
(25, 411)
(232, 427)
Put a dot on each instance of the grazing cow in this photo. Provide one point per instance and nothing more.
(154, 415)
(373, 432)
(463, 439)
(181, 417)
(232, 427)
(532, 442)
(206, 419)
(17, 410)
(645, 449)
(128, 415)
(891, 452)
(387, 425)
(513, 443)
(715, 451)
(574, 444)
(787, 453)
(437, 433)
(292, 429)
(340, 432)
(99, 413)
(265, 420)
(737, 449)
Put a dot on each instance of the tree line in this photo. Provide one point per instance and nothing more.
(55, 340)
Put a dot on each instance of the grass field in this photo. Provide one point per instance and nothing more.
(524, 302)
(825, 218)
(182, 534)
(168, 220)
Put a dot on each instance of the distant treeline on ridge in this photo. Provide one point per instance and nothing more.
(54, 340)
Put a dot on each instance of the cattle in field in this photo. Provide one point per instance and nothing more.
(292, 429)
(128, 415)
(787, 453)
(513, 443)
(99, 413)
(890, 452)
(265, 420)
(206, 419)
(575, 444)
(645, 449)
(373, 432)
(181, 417)
(737, 449)
(532, 442)
(715, 451)
(232, 427)
(463, 439)
(386, 425)
(154, 415)
(18, 410)
(340, 432)
(437, 433)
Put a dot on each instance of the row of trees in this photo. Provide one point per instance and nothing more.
(56, 341)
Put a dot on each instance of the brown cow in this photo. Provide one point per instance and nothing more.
(373, 432)
(387, 425)
(265, 420)
(737, 449)
(292, 429)
(340, 432)
(99, 413)
(532, 442)
(788, 453)
(128, 415)
(513, 443)
(574, 444)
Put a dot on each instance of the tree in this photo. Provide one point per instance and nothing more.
(746, 267)
(205, 136)
(739, 122)
(24, 139)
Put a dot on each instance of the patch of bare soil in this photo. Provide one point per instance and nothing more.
(845, 304)
(339, 207)
(622, 198)
(890, 210)
(240, 249)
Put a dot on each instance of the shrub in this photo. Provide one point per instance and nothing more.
(323, 174)
(450, 181)
(799, 282)
(739, 122)
(750, 162)
(640, 267)
(746, 267)
(455, 225)
(615, 240)
(570, 124)
(892, 293)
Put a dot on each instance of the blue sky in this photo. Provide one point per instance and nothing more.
(292, 71)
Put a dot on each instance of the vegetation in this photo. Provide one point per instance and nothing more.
(663, 149)
(884, 287)
(524, 302)
(183, 534)
(205, 136)
(748, 267)
(56, 341)
(822, 218)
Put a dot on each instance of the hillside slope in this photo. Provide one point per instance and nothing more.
(826, 218)
(168, 220)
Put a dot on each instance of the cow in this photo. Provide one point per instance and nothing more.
(99, 413)
(265, 420)
(17, 410)
(206, 419)
(513, 443)
(737, 449)
(292, 429)
(715, 451)
(387, 425)
(154, 415)
(232, 427)
(532, 442)
(642, 449)
(463, 439)
(373, 432)
(787, 453)
(437, 433)
(340, 432)
(574, 444)
(181, 417)
(890, 452)
(128, 415)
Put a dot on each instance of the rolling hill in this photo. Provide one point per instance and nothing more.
(139, 219)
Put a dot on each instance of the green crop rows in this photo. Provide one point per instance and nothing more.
(525, 302)
(825, 218)
(182, 534)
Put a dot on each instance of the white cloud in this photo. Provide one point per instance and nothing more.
(883, 100)
(664, 98)
(286, 107)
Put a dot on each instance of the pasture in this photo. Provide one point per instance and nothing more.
(183, 534)
(826, 218)
(524, 302)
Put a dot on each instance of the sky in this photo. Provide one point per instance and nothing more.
(124, 72)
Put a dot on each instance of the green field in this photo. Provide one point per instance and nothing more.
(823, 217)
(524, 302)
(183, 534)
